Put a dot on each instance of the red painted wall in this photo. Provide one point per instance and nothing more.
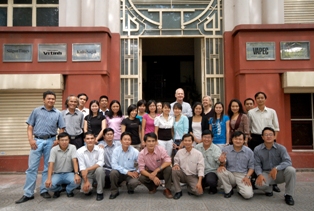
(244, 78)
(93, 78)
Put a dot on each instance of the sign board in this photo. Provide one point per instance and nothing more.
(17, 52)
(295, 50)
(52, 52)
(260, 51)
(86, 52)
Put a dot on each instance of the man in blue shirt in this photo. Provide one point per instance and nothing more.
(43, 124)
(124, 166)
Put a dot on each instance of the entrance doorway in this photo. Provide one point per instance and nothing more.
(168, 64)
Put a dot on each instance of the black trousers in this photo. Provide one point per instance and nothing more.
(210, 179)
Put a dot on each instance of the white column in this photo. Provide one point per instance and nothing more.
(72, 12)
(101, 15)
(255, 11)
(87, 12)
(62, 13)
(228, 15)
(113, 11)
(241, 12)
(273, 11)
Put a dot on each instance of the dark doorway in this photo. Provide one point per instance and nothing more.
(164, 74)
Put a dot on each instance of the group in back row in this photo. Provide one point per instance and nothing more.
(173, 122)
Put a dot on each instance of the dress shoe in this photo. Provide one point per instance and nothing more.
(130, 191)
(45, 195)
(276, 188)
(191, 194)
(177, 195)
(71, 194)
(99, 197)
(167, 193)
(153, 190)
(212, 190)
(56, 194)
(113, 196)
(269, 194)
(228, 195)
(88, 194)
(24, 199)
(289, 200)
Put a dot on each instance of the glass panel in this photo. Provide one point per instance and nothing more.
(47, 17)
(22, 1)
(3, 16)
(22, 16)
(171, 20)
(300, 106)
(3, 1)
(302, 137)
(47, 1)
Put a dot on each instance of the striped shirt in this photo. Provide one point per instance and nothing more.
(240, 161)
(45, 122)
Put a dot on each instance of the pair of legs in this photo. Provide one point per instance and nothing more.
(116, 178)
(287, 175)
(230, 179)
(63, 178)
(164, 174)
(99, 176)
(77, 142)
(43, 149)
(211, 180)
(167, 144)
(191, 181)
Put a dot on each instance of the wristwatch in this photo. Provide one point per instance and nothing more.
(77, 173)
(249, 177)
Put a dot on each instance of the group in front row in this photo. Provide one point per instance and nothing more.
(107, 159)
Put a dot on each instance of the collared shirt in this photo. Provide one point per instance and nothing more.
(104, 112)
(87, 159)
(240, 161)
(124, 161)
(181, 127)
(162, 123)
(62, 159)
(73, 122)
(191, 163)
(85, 111)
(258, 120)
(154, 160)
(266, 160)
(211, 157)
(186, 109)
(45, 122)
(108, 150)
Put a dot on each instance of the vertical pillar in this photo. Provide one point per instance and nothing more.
(114, 16)
(273, 11)
(87, 11)
(72, 9)
(228, 15)
(241, 12)
(255, 7)
(101, 15)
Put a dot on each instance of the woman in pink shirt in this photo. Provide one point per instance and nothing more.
(114, 118)
(148, 119)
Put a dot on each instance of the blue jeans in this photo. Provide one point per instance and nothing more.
(43, 149)
(63, 178)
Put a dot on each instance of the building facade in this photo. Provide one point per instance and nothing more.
(134, 49)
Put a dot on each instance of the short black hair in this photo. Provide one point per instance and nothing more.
(62, 135)
(103, 96)
(82, 94)
(88, 133)
(268, 128)
(126, 134)
(247, 99)
(188, 135)
(131, 108)
(178, 106)
(207, 132)
(237, 134)
(255, 96)
(106, 130)
(151, 135)
(141, 102)
(49, 93)
(197, 104)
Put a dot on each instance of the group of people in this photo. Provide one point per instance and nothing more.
(157, 143)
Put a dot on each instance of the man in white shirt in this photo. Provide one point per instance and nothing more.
(83, 98)
(186, 107)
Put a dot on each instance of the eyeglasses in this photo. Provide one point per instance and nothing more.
(268, 134)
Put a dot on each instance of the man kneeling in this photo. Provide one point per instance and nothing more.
(188, 168)
(62, 161)
(154, 164)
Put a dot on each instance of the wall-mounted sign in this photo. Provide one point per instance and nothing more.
(260, 51)
(17, 52)
(52, 52)
(86, 52)
(295, 50)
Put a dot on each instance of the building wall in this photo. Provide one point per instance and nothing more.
(244, 78)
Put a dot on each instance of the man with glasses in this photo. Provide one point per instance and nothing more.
(273, 166)
(211, 154)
